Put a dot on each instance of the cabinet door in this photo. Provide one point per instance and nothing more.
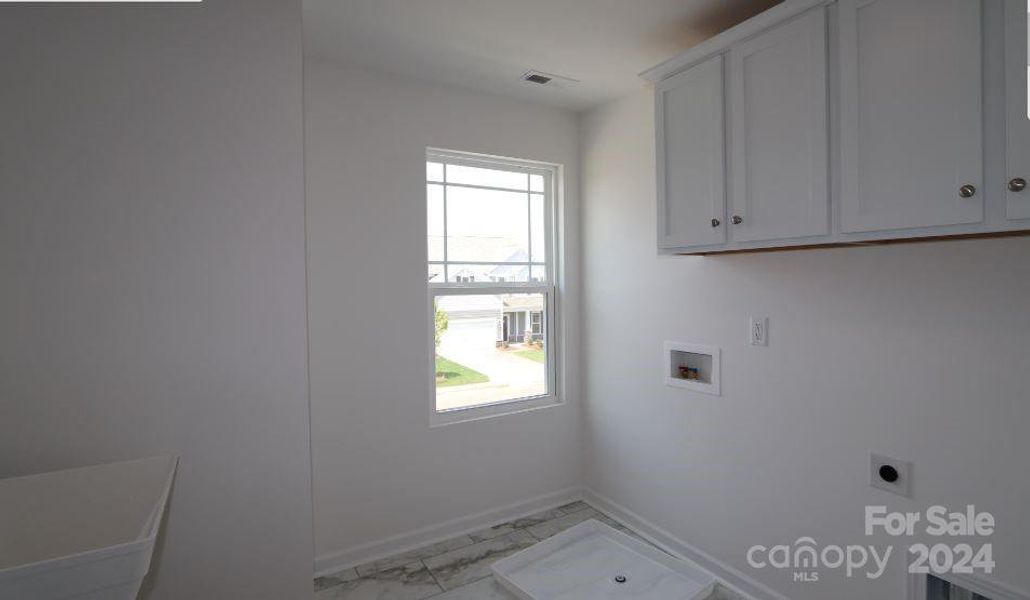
(690, 133)
(778, 117)
(911, 117)
(1017, 112)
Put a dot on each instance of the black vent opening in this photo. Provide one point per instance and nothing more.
(537, 78)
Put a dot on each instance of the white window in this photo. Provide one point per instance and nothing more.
(537, 320)
(491, 270)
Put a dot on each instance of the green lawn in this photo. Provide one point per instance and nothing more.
(536, 355)
(450, 373)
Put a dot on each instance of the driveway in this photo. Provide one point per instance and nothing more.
(511, 376)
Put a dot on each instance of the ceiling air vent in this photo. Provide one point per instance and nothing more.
(548, 79)
(536, 78)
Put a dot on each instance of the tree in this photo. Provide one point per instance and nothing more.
(440, 321)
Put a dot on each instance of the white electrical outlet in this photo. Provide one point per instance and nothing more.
(757, 330)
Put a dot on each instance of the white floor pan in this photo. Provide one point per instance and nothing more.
(593, 561)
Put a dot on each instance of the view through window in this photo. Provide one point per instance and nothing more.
(490, 238)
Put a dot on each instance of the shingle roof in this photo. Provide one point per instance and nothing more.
(475, 248)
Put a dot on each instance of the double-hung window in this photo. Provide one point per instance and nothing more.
(491, 268)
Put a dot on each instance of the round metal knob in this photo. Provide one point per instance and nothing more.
(737, 219)
(620, 579)
(967, 191)
(716, 222)
(1017, 184)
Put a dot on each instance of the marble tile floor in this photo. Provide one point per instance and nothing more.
(459, 568)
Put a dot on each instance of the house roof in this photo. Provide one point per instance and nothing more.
(475, 305)
(525, 302)
(467, 302)
(476, 248)
(482, 249)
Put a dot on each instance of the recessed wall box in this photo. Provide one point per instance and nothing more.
(692, 366)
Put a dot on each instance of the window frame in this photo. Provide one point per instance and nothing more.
(550, 289)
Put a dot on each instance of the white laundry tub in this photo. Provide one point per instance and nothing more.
(82, 533)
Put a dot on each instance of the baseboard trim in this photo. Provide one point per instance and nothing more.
(728, 576)
(332, 562)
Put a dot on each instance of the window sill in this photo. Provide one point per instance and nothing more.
(490, 411)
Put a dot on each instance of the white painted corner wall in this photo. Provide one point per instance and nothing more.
(914, 351)
(380, 472)
(152, 268)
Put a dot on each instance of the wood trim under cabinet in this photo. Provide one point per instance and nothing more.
(938, 238)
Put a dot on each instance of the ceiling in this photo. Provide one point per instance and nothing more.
(489, 44)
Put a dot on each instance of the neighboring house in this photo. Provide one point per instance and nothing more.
(516, 272)
(489, 259)
(522, 316)
(484, 321)
(473, 323)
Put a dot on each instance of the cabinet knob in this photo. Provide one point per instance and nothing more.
(716, 222)
(737, 219)
(967, 191)
(1017, 184)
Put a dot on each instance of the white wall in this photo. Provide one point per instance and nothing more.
(379, 469)
(152, 260)
(916, 351)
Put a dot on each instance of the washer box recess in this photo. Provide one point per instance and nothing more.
(699, 360)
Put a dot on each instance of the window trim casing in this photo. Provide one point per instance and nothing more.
(550, 289)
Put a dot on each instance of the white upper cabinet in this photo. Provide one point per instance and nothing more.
(1017, 110)
(911, 114)
(847, 122)
(779, 142)
(690, 151)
